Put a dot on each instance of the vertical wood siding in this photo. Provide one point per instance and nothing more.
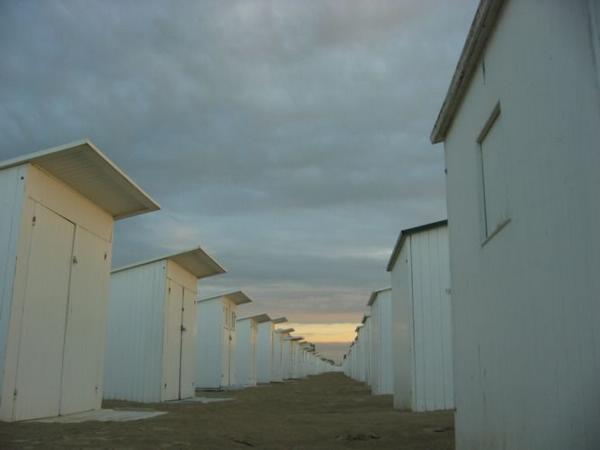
(134, 347)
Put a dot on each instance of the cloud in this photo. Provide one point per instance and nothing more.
(288, 138)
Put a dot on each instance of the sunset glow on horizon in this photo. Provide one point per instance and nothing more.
(337, 333)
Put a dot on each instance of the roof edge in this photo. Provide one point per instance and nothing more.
(148, 204)
(374, 295)
(406, 232)
(258, 318)
(482, 27)
(217, 268)
(239, 295)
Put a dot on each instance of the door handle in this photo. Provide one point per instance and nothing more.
(183, 328)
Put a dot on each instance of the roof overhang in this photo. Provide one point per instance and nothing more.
(195, 261)
(365, 317)
(279, 320)
(375, 294)
(258, 318)
(237, 297)
(296, 338)
(407, 232)
(286, 330)
(480, 32)
(84, 168)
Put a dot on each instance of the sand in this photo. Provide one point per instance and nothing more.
(327, 411)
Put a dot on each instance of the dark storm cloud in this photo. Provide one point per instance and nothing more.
(290, 138)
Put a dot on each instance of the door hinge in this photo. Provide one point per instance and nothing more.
(105, 256)
(15, 393)
(33, 219)
(169, 290)
(75, 261)
(183, 328)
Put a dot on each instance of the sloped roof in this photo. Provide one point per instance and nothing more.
(480, 32)
(374, 295)
(258, 318)
(407, 232)
(83, 167)
(237, 297)
(196, 261)
(286, 330)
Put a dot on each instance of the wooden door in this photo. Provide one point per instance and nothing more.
(225, 337)
(83, 360)
(172, 345)
(231, 350)
(42, 332)
(188, 344)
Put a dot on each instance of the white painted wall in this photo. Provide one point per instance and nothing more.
(288, 365)
(53, 318)
(245, 352)
(135, 334)
(422, 323)
(277, 358)
(525, 303)
(381, 346)
(210, 346)
(216, 343)
(151, 338)
(12, 191)
(265, 349)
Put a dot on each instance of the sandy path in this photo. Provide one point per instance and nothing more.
(325, 412)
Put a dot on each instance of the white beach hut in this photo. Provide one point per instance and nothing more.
(216, 319)
(520, 126)
(382, 367)
(151, 339)
(57, 209)
(356, 367)
(286, 352)
(420, 274)
(276, 356)
(246, 349)
(365, 346)
(290, 349)
(264, 351)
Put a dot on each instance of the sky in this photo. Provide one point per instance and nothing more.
(289, 139)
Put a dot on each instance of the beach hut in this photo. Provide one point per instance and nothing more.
(276, 356)
(151, 339)
(246, 348)
(289, 355)
(382, 368)
(296, 356)
(216, 319)
(365, 345)
(356, 368)
(301, 358)
(57, 209)
(421, 311)
(520, 126)
(264, 351)
(284, 345)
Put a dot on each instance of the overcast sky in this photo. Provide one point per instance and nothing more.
(287, 138)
